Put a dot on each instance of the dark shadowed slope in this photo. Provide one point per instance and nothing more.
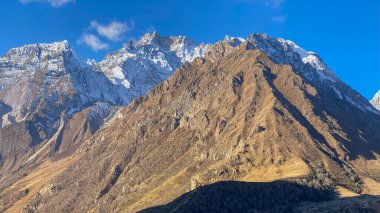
(229, 196)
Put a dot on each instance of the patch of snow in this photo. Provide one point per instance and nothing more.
(309, 65)
(311, 58)
(136, 68)
(91, 62)
(234, 41)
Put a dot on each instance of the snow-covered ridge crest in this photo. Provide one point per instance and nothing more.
(165, 42)
(234, 41)
(45, 53)
(310, 66)
(49, 73)
(54, 46)
(136, 68)
(287, 52)
(307, 56)
(37, 50)
(51, 79)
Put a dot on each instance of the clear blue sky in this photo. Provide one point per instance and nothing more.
(345, 33)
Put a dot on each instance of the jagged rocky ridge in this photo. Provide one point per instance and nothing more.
(136, 68)
(47, 74)
(321, 111)
(53, 83)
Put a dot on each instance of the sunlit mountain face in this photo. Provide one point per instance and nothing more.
(166, 124)
(189, 106)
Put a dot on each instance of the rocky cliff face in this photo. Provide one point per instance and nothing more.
(250, 110)
(42, 83)
(234, 115)
(136, 68)
(42, 86)
(48, 74)
(53, 83)
(311, 67)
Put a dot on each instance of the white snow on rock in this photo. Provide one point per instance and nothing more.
(376, 100)
(49, 80)
(311, 58)
(234, 41)
(310, 66)
(46, 80)
(136, 68)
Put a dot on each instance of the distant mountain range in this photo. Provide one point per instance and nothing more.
(167, 118)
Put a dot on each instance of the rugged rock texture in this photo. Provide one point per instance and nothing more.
(137, 68)
(52, 83)
(50, 79)
(254, 110)
(235, 115)
(42, 86)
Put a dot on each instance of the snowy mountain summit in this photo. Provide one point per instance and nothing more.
(42, 83)
(136, 68)
(310, 66)
(53, 82)
(52, 73)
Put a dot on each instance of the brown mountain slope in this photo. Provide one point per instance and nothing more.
(234, 115)
(27, 167)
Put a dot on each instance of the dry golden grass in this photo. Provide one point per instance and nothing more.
(290, 169)
(371, 186)
(343, 192)
(155, 195)
(37, 179)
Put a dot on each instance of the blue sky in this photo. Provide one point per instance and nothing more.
(345, 33)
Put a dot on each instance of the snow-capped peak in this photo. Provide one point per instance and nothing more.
(147, 38)
(234, 41)
(37, 51)
(287, 52)
(55, 46)
(307, 56)
(91, 62)
(310, 66)
(303, 53)
(49, 75)
(136, 68)
(53, 54)
(165, 43)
